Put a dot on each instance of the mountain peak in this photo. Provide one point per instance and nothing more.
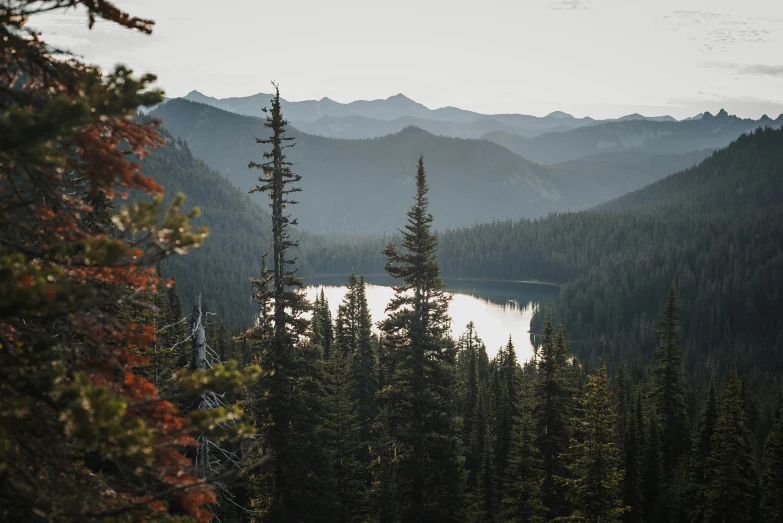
(722, 114)
(706, 115)
(559, 114)
(401, 98)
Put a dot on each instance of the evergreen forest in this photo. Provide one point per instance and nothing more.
(160, 362)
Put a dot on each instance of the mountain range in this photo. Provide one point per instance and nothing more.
(706, 132)
(473, 180)
(374, 118)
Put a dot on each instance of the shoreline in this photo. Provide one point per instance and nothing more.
(445, 278)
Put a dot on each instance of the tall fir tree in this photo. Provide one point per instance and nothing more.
(731, 491)
(551, 415)
(669, 391)
(596, 473)
(421, 389)
(284, 410)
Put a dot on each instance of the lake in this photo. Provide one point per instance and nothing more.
(497, 308)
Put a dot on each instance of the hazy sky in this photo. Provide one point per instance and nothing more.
(601, 58)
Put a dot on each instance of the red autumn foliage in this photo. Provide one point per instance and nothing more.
(67, 133)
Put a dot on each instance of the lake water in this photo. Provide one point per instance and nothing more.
(497, 308)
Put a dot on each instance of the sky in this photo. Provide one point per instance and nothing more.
(599, 58)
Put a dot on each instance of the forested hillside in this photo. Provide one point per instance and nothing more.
(592, 178)
(708, 132)
(239, 231)
(473, 181)
(713, 230)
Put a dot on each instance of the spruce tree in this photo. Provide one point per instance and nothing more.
(551, 415)
(731, 467)
(595, 467)
(772, 477)
(421, 389)
(669, 391)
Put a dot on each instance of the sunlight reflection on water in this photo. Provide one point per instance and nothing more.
(495, 319)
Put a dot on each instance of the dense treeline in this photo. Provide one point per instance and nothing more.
(408, 425)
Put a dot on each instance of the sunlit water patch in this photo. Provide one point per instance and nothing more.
(498, 309)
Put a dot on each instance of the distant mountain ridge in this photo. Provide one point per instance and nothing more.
(671, 137)
(373, 118)
(472, 181)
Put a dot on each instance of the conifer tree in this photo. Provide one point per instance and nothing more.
(633, 496)
(652, 474)
(731, 467)
(341, 431)
(487, 482)
(510, 376)
(471, 410)
(420, 393)
(595, 467)
(323, 333)
(82, 435)
(669, 393)
(283, 407)
(382, 497)
(698, 471)
(551, 415)
(772, 478)
(521, 499)
(365, 370)
(347, 334)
